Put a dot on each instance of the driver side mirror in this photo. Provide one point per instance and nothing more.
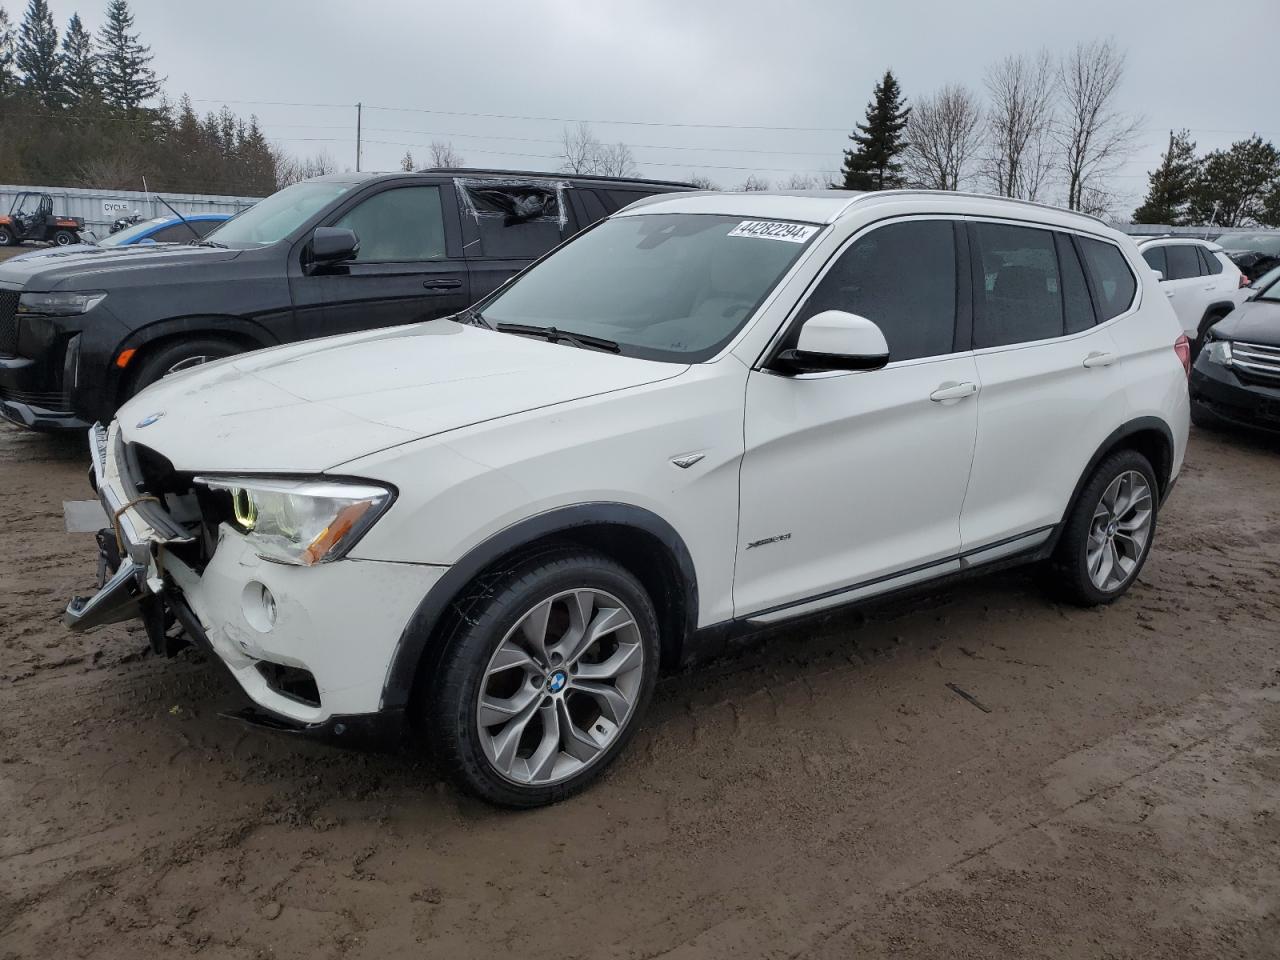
(333, 245)
(835, 340)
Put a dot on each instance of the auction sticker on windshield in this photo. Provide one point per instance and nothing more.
(774, 230)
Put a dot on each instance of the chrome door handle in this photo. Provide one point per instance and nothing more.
(953, 391)
(1099, 359)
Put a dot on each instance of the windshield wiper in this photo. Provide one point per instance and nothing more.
(473, 317)
(202, 242)
(551, 334)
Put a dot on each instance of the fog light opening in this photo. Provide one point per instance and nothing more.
(259, 606)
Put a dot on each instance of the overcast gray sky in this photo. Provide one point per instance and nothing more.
(671, 67)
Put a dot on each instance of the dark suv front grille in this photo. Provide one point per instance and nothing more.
(8, 323)
(1256, 363)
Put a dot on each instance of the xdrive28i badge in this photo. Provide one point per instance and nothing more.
(150, 419)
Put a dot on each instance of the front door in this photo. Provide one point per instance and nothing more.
(404, 272)
(854, 481)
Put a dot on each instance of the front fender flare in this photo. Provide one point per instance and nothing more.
(418, 633)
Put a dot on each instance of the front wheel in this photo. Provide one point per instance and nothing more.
(1108, 536)
(177, 356)
(544, 679)
(7, 239)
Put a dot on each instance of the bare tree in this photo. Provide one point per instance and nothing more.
(701, 181)
(407, 163)
(1094, 138)
(443, 155)
(1020, 121)
(944, 133)
(291, 169)
(580, 150)
(754, 183)
(801, 181)
(615, 161)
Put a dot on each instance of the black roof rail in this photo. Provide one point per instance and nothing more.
(551, 175)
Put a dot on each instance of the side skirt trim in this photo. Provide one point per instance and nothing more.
(905, 578)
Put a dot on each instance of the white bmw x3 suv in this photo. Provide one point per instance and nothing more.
(708, 414)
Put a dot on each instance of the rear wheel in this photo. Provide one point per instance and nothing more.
(1108, 535)
(65, 238)
(544, 680)
(177, 356)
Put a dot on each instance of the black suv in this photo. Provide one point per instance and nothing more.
(80, 333)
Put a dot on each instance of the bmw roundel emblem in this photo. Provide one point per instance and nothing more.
(149, 420)
(556, 682)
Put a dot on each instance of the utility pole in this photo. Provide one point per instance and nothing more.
(359, 112)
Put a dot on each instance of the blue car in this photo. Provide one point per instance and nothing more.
(148, 232)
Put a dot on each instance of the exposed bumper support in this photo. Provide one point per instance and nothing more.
(119, 599)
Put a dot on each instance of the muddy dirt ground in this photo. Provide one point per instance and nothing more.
(822, 794)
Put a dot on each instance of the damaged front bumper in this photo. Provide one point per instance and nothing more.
(316, 665)
(128, 549)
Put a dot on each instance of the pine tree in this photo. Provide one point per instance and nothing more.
(8, 53)
(37, 57)
(124, 64)
(406, 162)
(1234, 185)
(79, 64)
(873, 164)
(1171, 184)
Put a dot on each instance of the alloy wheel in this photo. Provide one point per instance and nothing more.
(186, 363)
(1119, 531)
(561, 687)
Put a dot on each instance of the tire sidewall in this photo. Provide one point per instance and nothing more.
(64, 238)
(7, 237)
(1077, 537)
(155, 366)
(454, 701)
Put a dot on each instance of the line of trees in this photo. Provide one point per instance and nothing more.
(1051, 130)
(87, 109)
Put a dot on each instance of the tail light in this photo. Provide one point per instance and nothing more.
(1244, 281)
(1182, 347)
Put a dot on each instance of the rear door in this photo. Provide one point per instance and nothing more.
(1052, 382)
(506, 224)
(409, 267)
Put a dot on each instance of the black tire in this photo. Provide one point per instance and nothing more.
(7, 239)
(449, 710)
(65, 238)
(1069, 567)
(1206, 322)
(176, 353)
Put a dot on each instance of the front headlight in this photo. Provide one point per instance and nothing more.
(302, 521)
(59, 304)
(1219, 351)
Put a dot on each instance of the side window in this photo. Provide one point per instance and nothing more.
(1114, 284)
(1210, 262)
(398, 225)
(1155, 259)
(1182, 260)
(519, 220)
(903, 277)
(1076, 303)
(623, 198)
(175, 233)
(1019, 298)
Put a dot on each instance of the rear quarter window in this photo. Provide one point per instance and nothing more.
(1209, 261)
(1114, 284)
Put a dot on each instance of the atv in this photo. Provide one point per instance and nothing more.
(31, 218)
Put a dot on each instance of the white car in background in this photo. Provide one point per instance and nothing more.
(1197, 276)
(707, 415)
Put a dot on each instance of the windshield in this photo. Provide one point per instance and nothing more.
(664, 286)
(131, 233)
(1269, 286)
(278, 215)
(1251, 243)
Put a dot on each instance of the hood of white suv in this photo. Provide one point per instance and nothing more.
(308, 407)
